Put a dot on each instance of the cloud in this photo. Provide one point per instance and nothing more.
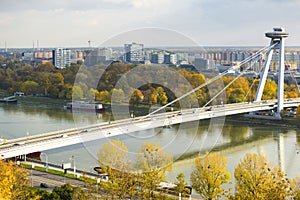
(210, 22)
(71, 5)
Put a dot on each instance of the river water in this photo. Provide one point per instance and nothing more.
(281, 145)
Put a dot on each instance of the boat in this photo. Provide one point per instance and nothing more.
(99, 170)
(8, 100)
(84, 106)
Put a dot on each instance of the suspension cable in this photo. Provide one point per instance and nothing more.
(266, 48)
(230, 83)
(252, 84)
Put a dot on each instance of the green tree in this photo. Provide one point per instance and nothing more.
(77, 92)
(67, 192)
(92, 94)
(209, 175)
(30, 87)
(256, 179)
(66, 92)
(64, 192)
(46, 67)
(117, 95)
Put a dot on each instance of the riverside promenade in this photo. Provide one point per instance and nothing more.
(42, 172)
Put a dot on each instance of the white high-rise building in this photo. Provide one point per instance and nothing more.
(61, 58)
(134, 53)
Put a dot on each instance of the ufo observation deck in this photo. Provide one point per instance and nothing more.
(278, 33)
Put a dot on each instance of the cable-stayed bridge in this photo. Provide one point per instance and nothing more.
(46, 141)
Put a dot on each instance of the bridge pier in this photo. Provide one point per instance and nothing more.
(277, 42)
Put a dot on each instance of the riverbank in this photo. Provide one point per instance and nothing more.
(284, 122)
(36, 100)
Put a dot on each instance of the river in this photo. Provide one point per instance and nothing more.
(281, 145)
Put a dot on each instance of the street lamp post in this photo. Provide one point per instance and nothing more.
(98, 181)
(74, 166)
(46, 160)
(27, 134)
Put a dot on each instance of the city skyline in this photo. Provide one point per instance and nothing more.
(207, 22)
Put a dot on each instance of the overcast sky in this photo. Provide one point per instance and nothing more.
(71, 23)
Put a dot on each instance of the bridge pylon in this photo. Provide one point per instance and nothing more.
(277, 41)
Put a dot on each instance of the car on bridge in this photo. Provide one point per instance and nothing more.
(19, 143)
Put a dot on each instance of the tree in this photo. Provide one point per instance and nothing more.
(237, 91)
(291, 91)
(66, 92)
(113, 161)
(153, 162)
(270, 90)
(136, 98)
(92, 94)
(30, 87)
(162, 97)
(181, 185)
(117, 95)
(104, 96)
(209, 175)
(150, 95)
(256, 179)
(113, 154)
(13, 180)
(77, 92)
(64, 192)
(295, 188)
(68, 192)
(47, 67)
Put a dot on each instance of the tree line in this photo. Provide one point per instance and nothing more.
(128, 83)
(255, 178)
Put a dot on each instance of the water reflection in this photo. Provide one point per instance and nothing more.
(236, 133)
(298, 138)
(51, 111)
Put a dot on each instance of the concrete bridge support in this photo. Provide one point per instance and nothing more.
(277, 41)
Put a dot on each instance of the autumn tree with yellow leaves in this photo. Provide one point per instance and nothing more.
(256, 179)
(13, 181)
(126, 180)
(153, 162)
(209, 175)
(114, 162)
